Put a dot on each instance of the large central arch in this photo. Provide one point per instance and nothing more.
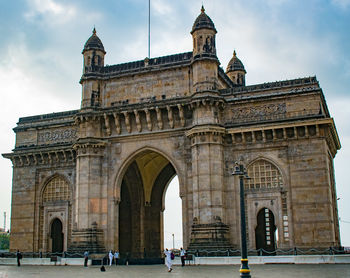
(141, 193)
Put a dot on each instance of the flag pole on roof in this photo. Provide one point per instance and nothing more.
(149, 28)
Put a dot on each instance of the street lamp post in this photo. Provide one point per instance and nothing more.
(241, 172)
(173, 241)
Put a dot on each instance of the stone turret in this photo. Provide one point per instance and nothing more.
(205, 63)
(94, 53)
(235, 70)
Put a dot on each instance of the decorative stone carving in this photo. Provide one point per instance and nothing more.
(159, 118)
(138, 122)
(108, 128)
(117, 123)
(261, 112)
(170, 116)
(148, 119)
(58, 135)
(127, 121)
(181, 114)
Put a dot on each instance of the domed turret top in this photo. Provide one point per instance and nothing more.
(94, 43)
(203, 21)
(235, 64)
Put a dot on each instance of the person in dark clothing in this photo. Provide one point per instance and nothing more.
(183, 256)
(19, 257)
(86, 258)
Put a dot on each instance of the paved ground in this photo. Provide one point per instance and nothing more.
(257, 271)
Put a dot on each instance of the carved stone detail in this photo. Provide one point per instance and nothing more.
(138, 122)
(181, 114)
(159, 118)
(259, 112)
(117, 123)
(107, 124)
(170, 116)
(148, 119)
(60, 135)
(127, 121)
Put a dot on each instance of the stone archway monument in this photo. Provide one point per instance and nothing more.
(141, 123)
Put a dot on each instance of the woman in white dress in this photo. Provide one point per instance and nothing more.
(110, 255)
(168, 261)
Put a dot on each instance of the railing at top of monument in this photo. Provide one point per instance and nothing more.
(200, 253)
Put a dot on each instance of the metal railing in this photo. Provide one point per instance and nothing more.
(197, 253)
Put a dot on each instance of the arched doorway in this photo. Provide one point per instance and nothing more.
(265, 232)
(142, 204)
(56, 236)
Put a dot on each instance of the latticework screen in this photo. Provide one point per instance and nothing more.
(56, 190)
(263, 174)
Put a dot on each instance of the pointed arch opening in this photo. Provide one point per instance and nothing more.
(55, 215)
(56, 236)
(265, 233)
(141, 206)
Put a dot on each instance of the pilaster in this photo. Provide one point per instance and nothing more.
(208, 229)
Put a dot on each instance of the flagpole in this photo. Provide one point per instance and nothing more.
(149, 28)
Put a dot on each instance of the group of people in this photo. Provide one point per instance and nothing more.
(113, 256)
(169, 256)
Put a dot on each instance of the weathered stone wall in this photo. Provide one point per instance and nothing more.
(273, 108)
(22, 209)
(147, 87)
(311, 194)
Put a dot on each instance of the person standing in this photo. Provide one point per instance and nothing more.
(86, 258)
(183, 256)
(19, 257)
(110, 255)
(116, 257)
(168, 261)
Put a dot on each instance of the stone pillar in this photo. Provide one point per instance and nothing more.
(90, 206)
(208, 229)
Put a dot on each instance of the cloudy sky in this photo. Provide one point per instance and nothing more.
(41, 62)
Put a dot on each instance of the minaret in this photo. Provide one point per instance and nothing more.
(94, 53)
(235, 70)
(205, 63)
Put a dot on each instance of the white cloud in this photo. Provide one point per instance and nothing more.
(343, 4)
(49, 9)
(161, 7)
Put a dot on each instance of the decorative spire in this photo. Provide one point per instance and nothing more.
(202, 9)
(234, 53)
(94, 31)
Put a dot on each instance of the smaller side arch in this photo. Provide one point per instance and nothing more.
(265, 232)
(268, 189)
(55, 202)
(56, 235)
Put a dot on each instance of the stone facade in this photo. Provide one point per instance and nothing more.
(103, 170)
